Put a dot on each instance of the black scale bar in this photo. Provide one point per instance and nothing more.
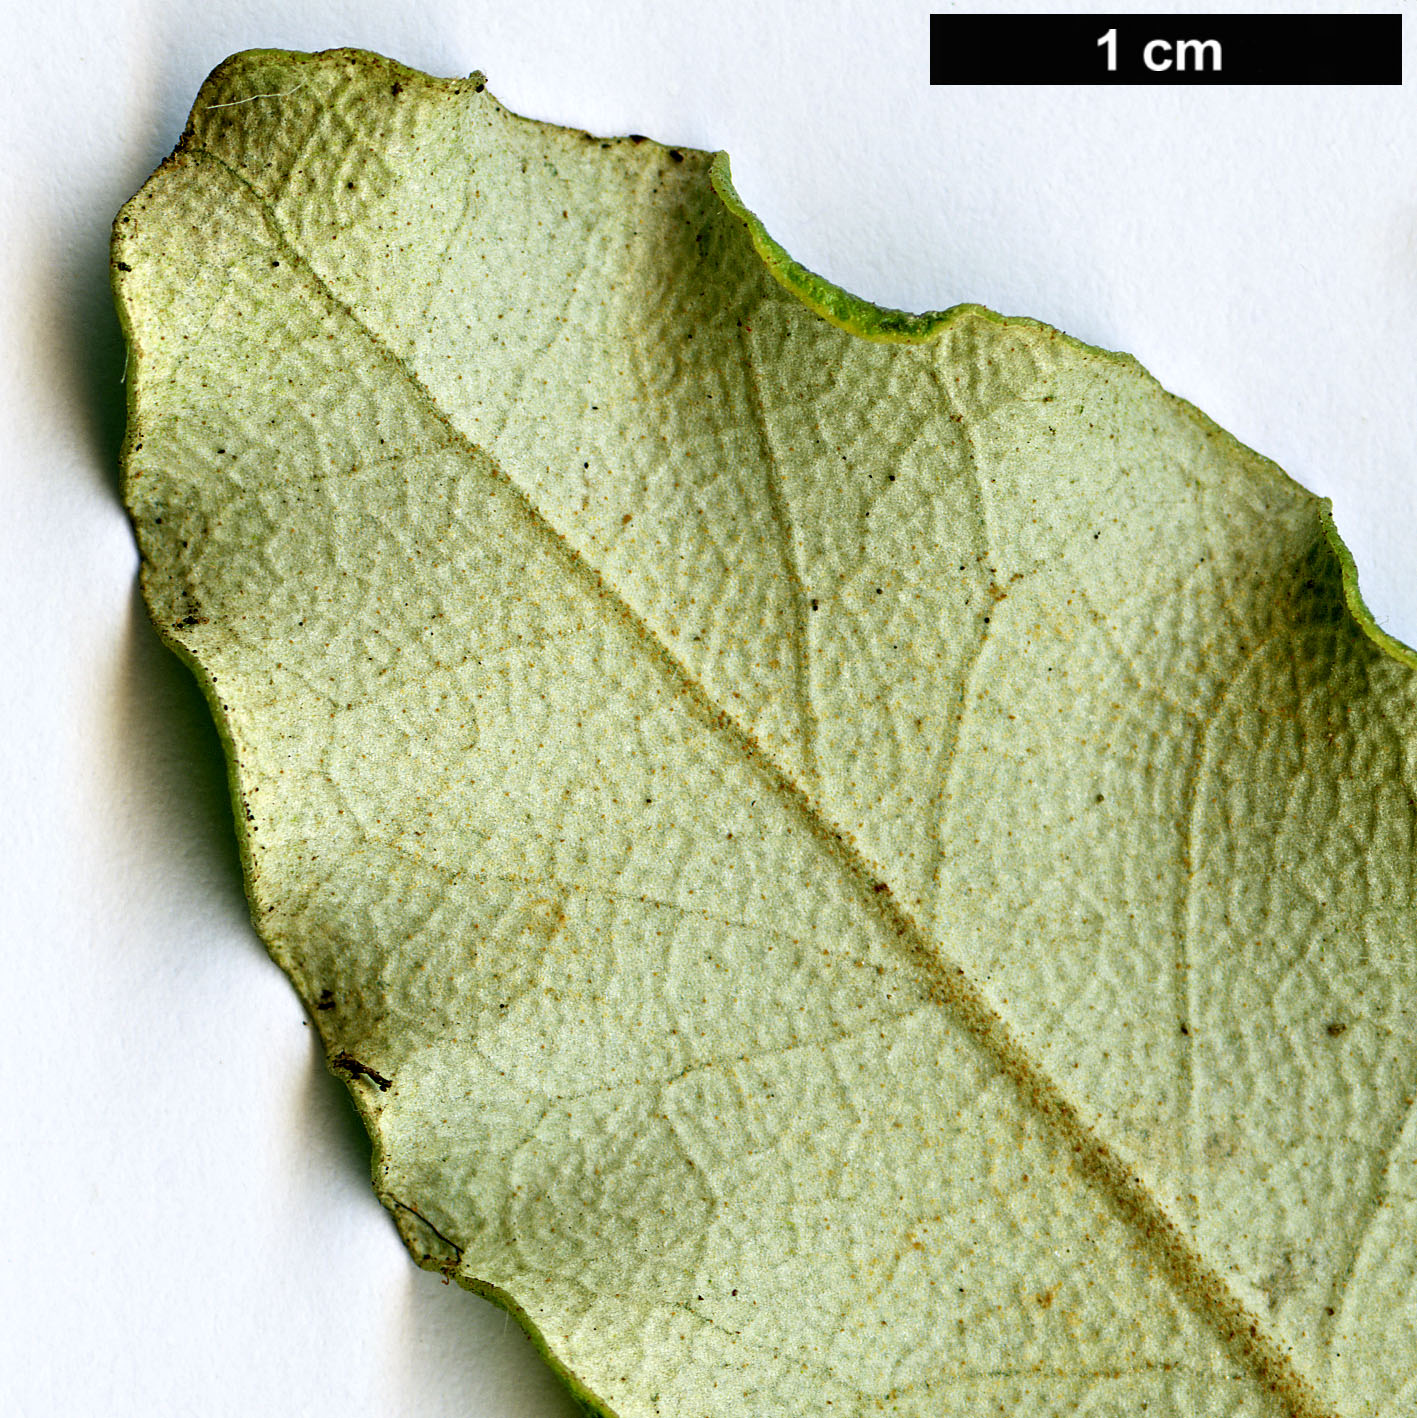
(1166, 49)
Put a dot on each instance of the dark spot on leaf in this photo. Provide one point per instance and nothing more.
(347, 1063)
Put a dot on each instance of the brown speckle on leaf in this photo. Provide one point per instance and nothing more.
(347, 1063)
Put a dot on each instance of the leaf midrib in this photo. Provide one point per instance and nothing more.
(1199, 1286)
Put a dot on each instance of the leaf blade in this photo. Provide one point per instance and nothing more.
(769, 523)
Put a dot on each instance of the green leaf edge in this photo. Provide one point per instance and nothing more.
(833, 303)
(886, 325)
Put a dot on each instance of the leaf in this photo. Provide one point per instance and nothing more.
(851, 861)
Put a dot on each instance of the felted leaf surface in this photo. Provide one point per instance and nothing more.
(852, 862)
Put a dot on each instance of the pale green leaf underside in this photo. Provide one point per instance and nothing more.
(853, 864)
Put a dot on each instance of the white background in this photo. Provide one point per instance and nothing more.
(186, 1225)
